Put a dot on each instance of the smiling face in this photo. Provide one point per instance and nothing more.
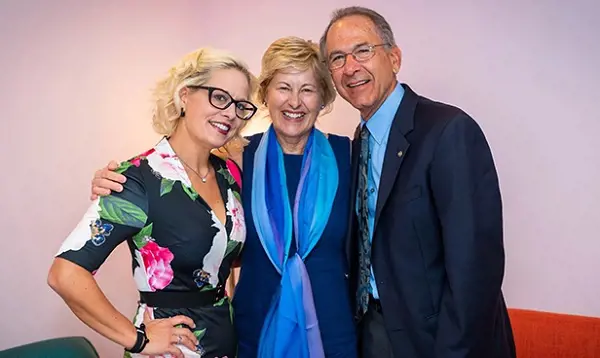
(365, 85)
(294, 103)
(204, 121)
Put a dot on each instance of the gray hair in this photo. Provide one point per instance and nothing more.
(384, 30)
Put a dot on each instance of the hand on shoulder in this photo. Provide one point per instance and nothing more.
(233, 152)
(106, 180)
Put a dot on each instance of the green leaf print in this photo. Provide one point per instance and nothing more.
(224, 172)
(200, 333)
(123, 167)
(207, 287)
(220, 302)
(139, 239)
(127, 355)
(237, 196)
(165, 186)
(230, 312)
(190, 192)
(231, 245)
(122, 212)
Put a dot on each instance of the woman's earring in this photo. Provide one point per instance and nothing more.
(182, 113)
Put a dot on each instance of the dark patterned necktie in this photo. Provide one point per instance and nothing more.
(364, 243)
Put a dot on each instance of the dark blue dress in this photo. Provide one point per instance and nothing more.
(326, 264)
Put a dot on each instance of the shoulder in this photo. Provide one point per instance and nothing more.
(252, 145)
(137, 170)
(450, 126)
(234, 154)
(342, 148)
(447, 118)
(134, 196)
(229, 169)
(341, 145)
(338, 142)
(438, 113)
(135, 166)
(254, 140)
(434, 120)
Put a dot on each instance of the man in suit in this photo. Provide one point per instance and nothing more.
(427, 244)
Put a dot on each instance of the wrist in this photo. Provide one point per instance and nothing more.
(129, 338)
(140, 342)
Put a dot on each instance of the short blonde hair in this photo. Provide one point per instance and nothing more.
(295, 53)
(193, 69)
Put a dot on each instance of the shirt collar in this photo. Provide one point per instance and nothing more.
(381, 121)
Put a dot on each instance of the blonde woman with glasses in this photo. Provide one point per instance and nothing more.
(181, 216)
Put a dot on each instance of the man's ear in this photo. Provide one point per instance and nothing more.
(396, 58)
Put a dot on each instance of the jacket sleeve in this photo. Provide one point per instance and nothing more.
(467, 198)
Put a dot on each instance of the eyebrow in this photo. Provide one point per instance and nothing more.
(303, 85)
(244, 98)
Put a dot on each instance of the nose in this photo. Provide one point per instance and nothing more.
(294, 99)
(351, 66)
(229, 112)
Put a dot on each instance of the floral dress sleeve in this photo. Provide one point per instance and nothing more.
(109, 221)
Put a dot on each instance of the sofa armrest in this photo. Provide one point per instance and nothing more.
(62, 347)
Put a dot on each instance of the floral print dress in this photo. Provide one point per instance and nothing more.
(176, 241)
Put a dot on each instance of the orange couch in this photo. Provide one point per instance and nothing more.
(553, 335)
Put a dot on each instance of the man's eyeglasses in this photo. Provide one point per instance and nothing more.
(221, 99)
(361, 53)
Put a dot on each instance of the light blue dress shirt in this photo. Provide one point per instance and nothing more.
(379, 126)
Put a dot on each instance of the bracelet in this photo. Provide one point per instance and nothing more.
(140, 341)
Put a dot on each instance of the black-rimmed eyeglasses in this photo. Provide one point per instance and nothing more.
(221, 99)
(361, 53)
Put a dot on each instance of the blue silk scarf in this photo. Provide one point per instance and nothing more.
(291, 328)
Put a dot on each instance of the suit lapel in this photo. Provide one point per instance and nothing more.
(396, 149)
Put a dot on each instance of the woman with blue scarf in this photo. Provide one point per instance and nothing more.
(292, 299)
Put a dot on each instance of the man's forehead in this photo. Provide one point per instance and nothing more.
(347, 33)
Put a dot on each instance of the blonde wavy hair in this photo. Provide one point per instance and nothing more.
(295, 53)
(193, 69)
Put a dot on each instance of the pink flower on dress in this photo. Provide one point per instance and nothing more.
(167, 155)
(157, 262)
(235, 172)
(237, 218)
(236, 212)
(137, 160)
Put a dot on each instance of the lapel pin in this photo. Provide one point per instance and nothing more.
(400, 154)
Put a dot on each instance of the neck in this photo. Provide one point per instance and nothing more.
(367, 113)
(292, 145)
(190, 151)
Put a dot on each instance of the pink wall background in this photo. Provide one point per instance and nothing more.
(74, 93)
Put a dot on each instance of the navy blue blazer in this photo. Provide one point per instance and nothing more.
(438, 251)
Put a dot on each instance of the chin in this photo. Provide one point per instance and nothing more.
(212, 142)
(364, 105)
(293, 131)
(219, 143)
